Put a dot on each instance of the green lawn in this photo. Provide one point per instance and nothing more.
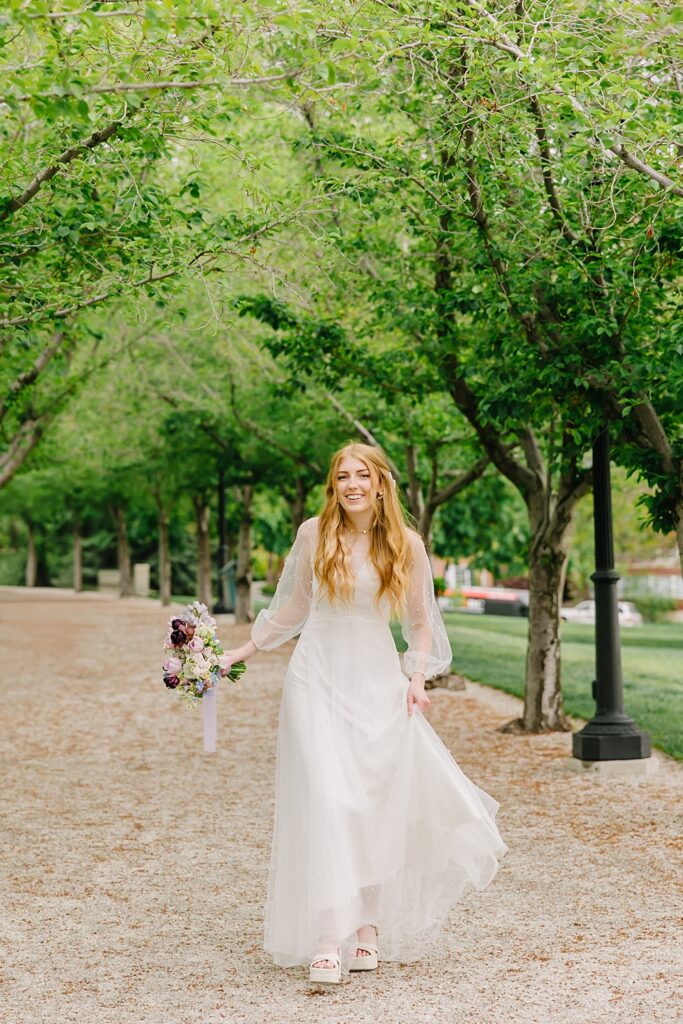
(491, 649)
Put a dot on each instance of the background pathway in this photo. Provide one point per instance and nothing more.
(133, 866)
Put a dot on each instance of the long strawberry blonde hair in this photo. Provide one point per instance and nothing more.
(390, 551)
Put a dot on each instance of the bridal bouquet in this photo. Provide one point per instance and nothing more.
(195, 659)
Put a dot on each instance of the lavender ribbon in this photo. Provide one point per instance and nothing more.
(209, 717)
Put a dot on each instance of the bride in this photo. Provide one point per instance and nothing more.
(377, 831)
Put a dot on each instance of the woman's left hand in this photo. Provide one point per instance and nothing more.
(416, 693)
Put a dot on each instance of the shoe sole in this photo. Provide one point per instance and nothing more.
(364, 963)
(321, 976)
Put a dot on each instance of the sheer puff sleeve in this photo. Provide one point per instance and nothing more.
(285, 616)
(429, 650)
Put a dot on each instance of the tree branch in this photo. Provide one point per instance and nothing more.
(28, 377)
(433, 477)
(60, 314)
(546, 170)
(460, 482)
(364, 431)
(414, 489)
(23, 442)
(55, 15)
(501, 41)
(524, 479)
(267, 438)
(653, 429)
(96, 139)
(532, 452)
(174, 84)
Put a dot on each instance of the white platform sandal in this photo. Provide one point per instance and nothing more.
(369, 962)
(325, 975)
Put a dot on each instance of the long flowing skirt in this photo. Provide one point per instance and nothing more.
(375, 823)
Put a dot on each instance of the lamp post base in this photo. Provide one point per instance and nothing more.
(633, 769)
(616, 738)
(222, 609)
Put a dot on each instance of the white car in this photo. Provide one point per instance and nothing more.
(584, 611)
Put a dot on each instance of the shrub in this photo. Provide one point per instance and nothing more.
(654, 608)
(259, 563)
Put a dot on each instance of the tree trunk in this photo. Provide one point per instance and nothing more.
(202, 512)
(31, 556)
(678, 519)
(243, 570)
(122, 551)
(77, 558)
(548, 558)
(424, 525)
(543, 709)
(271, 574)
(652, 437)
(164, 556)
(223, 604)
(297, 504)
(550, 512)
(413, 492)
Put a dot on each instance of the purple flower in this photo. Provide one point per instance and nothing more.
(181, 632)
(171, 681)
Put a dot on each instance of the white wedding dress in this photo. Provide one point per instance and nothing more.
(375, 823)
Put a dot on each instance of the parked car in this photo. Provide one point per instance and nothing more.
(496, 601)
(584, 611)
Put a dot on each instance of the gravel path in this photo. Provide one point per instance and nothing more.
(133, 866)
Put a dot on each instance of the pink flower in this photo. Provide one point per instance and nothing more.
(195, 645)
(173, 666)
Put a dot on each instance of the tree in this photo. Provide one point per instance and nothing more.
(103, 192)
(451, 158)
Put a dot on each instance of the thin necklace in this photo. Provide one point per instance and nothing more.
(351, 530)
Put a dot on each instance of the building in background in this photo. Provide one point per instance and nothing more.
(658, 575)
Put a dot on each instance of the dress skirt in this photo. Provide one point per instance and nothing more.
(374, 822)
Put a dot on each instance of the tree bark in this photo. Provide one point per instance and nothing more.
(550, 510)
(652, 435)
(202, 511)
(679, 528)
(26, 437)
(77, 558)
(271, 569)
(222, 554)
(164, 555)
(122, 551)
(423, 509)
(31, 556)
(548, 558)
(243, 570)
(297, 503)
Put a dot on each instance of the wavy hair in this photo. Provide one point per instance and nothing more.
(390, 551)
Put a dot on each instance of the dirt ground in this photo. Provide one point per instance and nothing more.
(133, 868)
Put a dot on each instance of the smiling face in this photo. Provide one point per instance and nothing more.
(355, 486)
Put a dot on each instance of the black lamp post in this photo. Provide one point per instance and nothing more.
(610, 735)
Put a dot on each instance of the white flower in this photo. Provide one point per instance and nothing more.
(196, 667)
